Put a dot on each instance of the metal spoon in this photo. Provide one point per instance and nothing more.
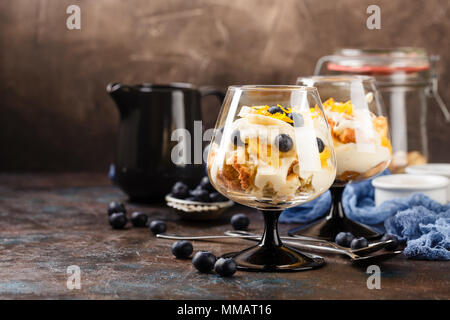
(305, 243)
(228, 235)
(320, 245)
(357, 256)
(180, 237)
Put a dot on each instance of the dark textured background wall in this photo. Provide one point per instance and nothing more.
(55, 114)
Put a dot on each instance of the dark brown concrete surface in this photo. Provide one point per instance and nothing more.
(49, 222)
(56, 116)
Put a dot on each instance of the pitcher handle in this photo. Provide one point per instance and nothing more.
(212, 91)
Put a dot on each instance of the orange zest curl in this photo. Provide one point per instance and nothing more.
(263, 110)
(341, 107)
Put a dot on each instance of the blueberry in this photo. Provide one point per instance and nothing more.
(297, 118)
(139, 219)
(240, 221)
(225, 267)
(200, 194)
(182, 249)
(204, 261)
(180, 190)
(158, 226)
(344, 239)
(275, 109)
(218, 135)
(206, 184)
(190, 199)
(236, 138)
(114, 207)
(359, 243)
(217, 197)
(118, 220)
(320, 145)
(284, 142)
(392, 246)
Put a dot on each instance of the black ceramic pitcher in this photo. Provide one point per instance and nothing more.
(149, 113)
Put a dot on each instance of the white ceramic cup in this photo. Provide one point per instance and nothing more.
(403, 185)
(440, 169)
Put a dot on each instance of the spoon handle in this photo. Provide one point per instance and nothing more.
(177, 237)
(314, 247)
(296, 243)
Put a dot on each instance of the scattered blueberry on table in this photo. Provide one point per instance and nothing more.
(225, 267)
(392, 246)
(118, 220)
(139, 219)
(359, 243)
(240, 221)
(344, 239)
(182, 249)
(204, 261)
(115, 207)
(158, 226)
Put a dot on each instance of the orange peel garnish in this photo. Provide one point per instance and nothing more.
(340, 107)
(324, 156)
(263, 110)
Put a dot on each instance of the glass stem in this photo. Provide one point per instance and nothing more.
(337, 211)
(270, 237)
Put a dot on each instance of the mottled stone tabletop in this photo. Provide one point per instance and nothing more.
(50, 222)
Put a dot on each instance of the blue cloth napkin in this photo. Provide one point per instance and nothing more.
(425, 226)
(420, 221)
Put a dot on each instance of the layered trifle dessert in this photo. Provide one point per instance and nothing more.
(273, 152)
(360, 139)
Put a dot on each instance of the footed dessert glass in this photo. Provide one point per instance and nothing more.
(272, 150)
(360, 134)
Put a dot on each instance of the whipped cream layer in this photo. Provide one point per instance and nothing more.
(351, 157)
(360, 138)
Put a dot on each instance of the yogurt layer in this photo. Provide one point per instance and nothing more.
(351, 157)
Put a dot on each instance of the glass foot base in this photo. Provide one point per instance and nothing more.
(327, 229)
(274, 259)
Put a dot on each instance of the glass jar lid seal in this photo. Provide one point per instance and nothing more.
(380, 61)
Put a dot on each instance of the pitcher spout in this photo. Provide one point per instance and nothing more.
(121, 96)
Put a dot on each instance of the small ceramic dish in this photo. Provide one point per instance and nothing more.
(403, 185)
(194, 210)
(439, 169)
